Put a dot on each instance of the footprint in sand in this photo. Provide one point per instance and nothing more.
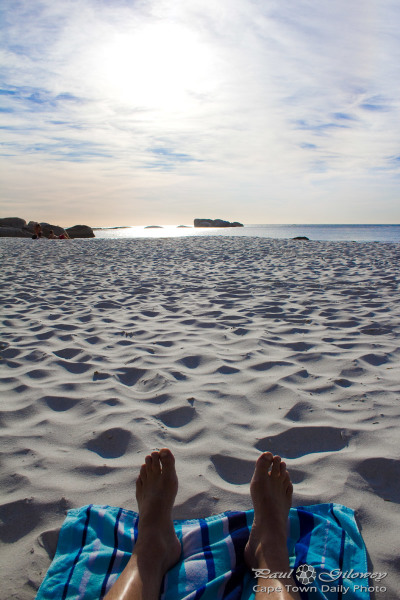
(60, 403)
(300, 411)
(111, 443)
(352, 372)
(233, 470)
(191, 362)
(380, 473)
(152, 384)
(108, 304)
(178, 417)
(226, 370)
(38, 374)
(376, 360)
(20, 517)
(68, 353)
(271, 364)
(302, 440)
(48, 541)
(345, 383)
(77, 368)
(130, 376)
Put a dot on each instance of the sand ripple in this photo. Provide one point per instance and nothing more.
(217, 347)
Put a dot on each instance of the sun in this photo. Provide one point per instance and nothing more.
(158, 66)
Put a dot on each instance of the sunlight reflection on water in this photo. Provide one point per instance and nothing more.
(366, 233)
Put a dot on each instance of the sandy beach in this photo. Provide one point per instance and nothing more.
(218, 348)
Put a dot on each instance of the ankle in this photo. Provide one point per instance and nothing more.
(148, 563)
(274, 558)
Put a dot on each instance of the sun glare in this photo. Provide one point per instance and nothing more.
(160, 66)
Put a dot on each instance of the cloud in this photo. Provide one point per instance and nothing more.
(167, 159)
(228, 99)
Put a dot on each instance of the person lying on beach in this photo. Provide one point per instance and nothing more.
(158, 549)
(52, 235)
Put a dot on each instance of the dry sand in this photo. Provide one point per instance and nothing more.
(216, 347)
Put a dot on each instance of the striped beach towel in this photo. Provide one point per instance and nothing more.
(95, 544)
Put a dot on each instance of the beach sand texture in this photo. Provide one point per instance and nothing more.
(218, 348)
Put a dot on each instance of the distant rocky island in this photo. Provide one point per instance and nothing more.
(215, 223)
(16, 227)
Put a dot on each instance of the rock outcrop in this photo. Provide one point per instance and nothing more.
(13, 222)
(301, 237)
(14, 232)
(80, 231)
(16, 227)
(46, 228)
(215, 223)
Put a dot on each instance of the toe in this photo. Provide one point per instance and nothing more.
(286, 479)
(289, 489)
(167, 461)
(264, 461)
(275, 470)
(155, 456)
(166, 455)
(143, 473)
(261, 469)
(282, 469)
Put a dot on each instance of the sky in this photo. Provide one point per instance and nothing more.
(137, 112)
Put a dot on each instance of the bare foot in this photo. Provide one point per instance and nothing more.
(156, 488)
(271, 491)
(157, 548)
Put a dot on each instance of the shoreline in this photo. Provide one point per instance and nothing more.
(360, 233)
(218, 347)
(386, 233)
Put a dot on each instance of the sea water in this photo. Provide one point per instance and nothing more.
(356, 233)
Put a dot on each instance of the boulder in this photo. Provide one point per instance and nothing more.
(15, 227)
(12, 222)
(215, 223)
(31, 226)
(14, 232)
(80, 231)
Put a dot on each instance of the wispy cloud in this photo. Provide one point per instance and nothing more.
(166, 159)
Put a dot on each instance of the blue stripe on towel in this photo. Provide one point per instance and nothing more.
(239, 535)
(306, 522)
(207, 557)
(84, 534)
(114, 554)
(171, 579)
(95, 543)
(341, 555)
(341, 552)
(207, 549)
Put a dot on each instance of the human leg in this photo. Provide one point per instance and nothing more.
(157, 548)
(271, 491)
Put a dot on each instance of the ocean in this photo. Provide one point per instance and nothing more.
(334, 233)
